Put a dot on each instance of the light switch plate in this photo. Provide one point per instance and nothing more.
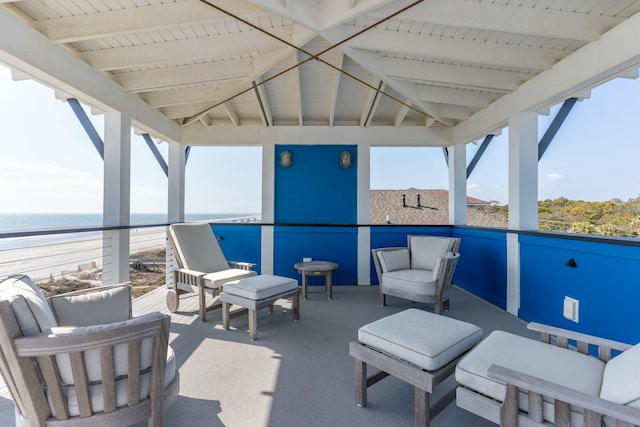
(571, 309)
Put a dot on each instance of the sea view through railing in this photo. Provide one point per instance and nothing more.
(56, 244)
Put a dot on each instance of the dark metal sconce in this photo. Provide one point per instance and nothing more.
(286, 158)
(345, 159)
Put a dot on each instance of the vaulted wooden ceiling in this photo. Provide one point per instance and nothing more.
(462, 65)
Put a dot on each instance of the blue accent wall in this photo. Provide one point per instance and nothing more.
(240, 243)
(482, 269)
(606, 281)
(315, 189)
(336, 244)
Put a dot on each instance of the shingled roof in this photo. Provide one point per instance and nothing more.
(433, 208)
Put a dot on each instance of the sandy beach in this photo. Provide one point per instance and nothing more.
(43, 261)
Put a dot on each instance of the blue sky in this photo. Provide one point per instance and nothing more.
(48, 164)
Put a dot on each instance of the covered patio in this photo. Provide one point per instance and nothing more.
(321, 83)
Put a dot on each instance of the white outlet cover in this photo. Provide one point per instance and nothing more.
(571, 309)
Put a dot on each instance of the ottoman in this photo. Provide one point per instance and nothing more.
(257, 292)
(416, 346)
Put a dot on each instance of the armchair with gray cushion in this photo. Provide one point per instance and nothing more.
(420, 272)
(201, 266)
(512, 380)
(80, 359)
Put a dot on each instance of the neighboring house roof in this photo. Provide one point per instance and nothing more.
(433, 208)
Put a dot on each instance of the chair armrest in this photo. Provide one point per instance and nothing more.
(93, 306)
(563, 335)
(563, 397)
(241, 265)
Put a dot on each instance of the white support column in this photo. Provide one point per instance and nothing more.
(458, 184)
(268, 207)
(176, 182)
(175, 199)
(364, 215)
(116, 205)
(523, 195)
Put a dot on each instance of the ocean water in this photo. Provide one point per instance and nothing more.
(54, 221)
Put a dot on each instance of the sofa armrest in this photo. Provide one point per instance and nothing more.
(93, 306)
(241, 265)
(583, 340)
(564, 398)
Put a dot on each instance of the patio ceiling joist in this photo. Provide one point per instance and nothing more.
(29, 51)
(612, 55)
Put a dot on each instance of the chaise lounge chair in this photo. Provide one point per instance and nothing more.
(202, 267)
(512, 380)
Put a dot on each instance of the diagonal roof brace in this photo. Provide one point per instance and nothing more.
(156, 153)
(555, 125)
(476, 158)
(87, 125)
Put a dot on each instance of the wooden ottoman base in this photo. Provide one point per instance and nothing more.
(253, 306)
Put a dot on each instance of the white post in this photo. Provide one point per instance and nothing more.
(175, 199)
(116, 209)
(523, 195)
(268, 207)
(458, 184)
(364, 214)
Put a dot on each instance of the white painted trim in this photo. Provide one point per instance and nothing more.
(266, 249)
(364, 184)
(458, 184)
(513, 273)
(364, 256)
(176, 182)
(268, 183)
(523, 171)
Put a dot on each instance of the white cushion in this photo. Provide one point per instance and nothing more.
(96, 306)
(260, 287)
(28, 304)
(120, 352)
(423, 339)
(621, 382)
(551, 363)
(95, 390)
(219, 278)
(396, 259)
(425, 250)
(421, 280)
(197, 247)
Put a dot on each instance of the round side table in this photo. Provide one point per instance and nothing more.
(316, 268)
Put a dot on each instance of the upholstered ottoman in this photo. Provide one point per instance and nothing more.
(416, 346)
(256, 292)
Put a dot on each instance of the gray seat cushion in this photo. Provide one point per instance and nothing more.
(425, 250)
(89, 307)
(28, 304)
(548, 362)
(620, 382)
(423, 339)
(219, 278)
(260, 287)
(395, 259)
(197, 247)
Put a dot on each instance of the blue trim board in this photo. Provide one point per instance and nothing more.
(315, 189)
(240, 243)
(336, 244)
(605, 281)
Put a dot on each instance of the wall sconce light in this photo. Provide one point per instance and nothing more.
(345, 159)
(286, 159)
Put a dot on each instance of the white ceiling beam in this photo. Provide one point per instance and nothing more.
(188, 49)
(449, 49)
(29, 51)
(335, 86)
(300, 11)
(231, 112)
(374, 64)
(518, 19)
(373, 98)
(186, 110)
(336, 12)
(456, 112)
(400, 115)
(142, 81)
(436, 136)
(592, 65)
(187, 95)
(263, 104)
(454, 75)
(462, 97)
(140, 19)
